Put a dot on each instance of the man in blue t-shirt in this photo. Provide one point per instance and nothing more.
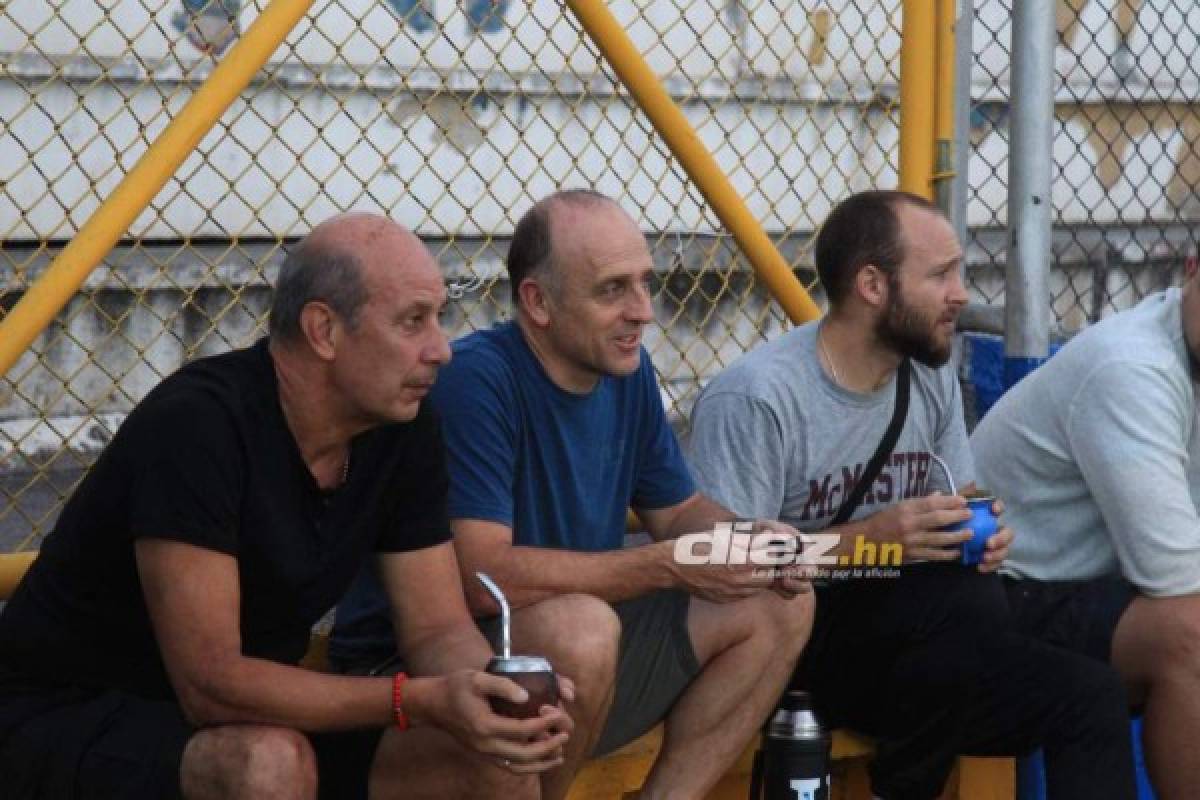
(554, 427)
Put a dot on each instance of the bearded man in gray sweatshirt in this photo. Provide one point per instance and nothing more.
(923, 658)
(1097, 456)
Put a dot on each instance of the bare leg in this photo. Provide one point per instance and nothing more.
(747, 651)
(580, 635)
(241, 762)
(430, 764)
(1156, 649)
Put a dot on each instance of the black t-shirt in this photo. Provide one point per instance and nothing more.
(207, 459)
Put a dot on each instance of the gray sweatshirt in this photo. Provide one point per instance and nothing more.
(774, 437)
(1095, 455)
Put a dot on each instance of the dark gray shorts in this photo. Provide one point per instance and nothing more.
(655, 664)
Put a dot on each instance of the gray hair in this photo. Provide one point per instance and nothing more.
(316, 272)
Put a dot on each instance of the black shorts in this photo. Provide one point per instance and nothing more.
(78, 744)
(1076, 615)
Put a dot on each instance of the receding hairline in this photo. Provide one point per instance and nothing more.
(902, 232)
(897, 202)
(355, 231)
(357, 235)
(559, 206)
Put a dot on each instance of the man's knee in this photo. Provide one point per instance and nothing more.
(585, 632)
(770, 625)
(247, 761)
(280, 757)
(1179, 635)
(429, 762)
(786, 623)
(1097, 687)
(1158, 639)
(1092, 707)
(580, 634)
(498, 782)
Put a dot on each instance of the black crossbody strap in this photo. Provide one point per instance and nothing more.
(886, 445)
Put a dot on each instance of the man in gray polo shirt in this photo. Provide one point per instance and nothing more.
(1096, 454)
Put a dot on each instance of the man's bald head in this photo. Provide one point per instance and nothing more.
(331, 265)
(532, 252)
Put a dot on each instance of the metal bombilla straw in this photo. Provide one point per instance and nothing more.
(505, 629)
(945, 471)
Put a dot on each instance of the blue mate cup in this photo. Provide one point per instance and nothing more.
(982, 524)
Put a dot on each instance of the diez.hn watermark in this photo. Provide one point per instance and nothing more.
(738, 544)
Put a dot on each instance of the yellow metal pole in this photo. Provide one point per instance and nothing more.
(67, 273)
(943, 124)
(13, 567)
(917, 51)
(679, 135)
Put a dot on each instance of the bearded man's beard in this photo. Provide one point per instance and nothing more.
(910, 333)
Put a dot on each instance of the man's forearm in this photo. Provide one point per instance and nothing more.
(444, 652)
(252, 690)
(700, 514)
(531, 574)
(697, 513)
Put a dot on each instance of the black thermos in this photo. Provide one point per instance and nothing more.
(793, 762)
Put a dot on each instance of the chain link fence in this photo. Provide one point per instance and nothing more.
(452, 118)
(1126, 150)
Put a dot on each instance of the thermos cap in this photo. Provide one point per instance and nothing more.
(794, 725)
(794, 719)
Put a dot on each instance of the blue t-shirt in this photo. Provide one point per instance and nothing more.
(558, 468)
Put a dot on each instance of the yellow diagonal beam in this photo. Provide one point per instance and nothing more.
(699, 164)
(45, 298)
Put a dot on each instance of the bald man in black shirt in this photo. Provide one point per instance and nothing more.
(151, 651)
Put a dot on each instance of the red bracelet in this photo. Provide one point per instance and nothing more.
(398, 701)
